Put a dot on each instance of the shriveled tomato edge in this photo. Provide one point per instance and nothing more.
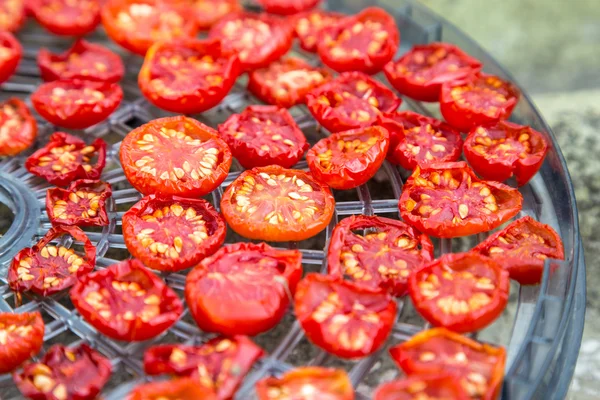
(34, 341)
(280, 7)
(8, 67)
(29, 123)
(307, 14)
(56, 193)
(149, 390)
(73, 26)
(437, 379)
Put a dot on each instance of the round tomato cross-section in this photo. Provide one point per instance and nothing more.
(66, 17)
(126, 302)
(10, 55)
(172, 233)
(174, 389)
(83, 203)
(344, 318)
(21, 337)
(307, 383)
(12, 15)
(277, 204)
(287, 7)
(175, 156)
(422, 386)
(18, 128)
(310, 26)
(447, 200)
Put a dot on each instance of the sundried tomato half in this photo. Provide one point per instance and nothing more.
(209, 12)
(126, 302)
(65, 373)
(12, 15)
(66, 17)
(18, 128)
(522, 247)
(277, 204)
(382, 257)
(174, 389)
(287, 7)
(439, 386)
(264, 135)
(306, 383)
(348, 159)
(66, 158)
(352, 100)
(83, 203)
(421, 71)
(10, 55)
(175, 156)
(243, 289)
(447, 200)
(21, 337)
(171, 233)
(310, 25)
(479, 367)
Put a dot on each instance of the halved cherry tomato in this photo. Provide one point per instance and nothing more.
(264, 135)
(171, 233)
(220, 364)
(287, 7)
(478, 99)
(364, 42)
(522, 247)
(384, 257)
(66, 17)
(420, 72)
(352, 100)
(497, 152)
(12, 15)
(257, 39)
(84, 60)
(440, 386)
(21, 337)
(447, 200)
(174, 389)
(307, 383)
(126, 302)
(18, 128)
(343, 318)
(310, 25)
(175, 156)
(66, 158)
(10, 55)
(416, 139)
(349, 159)
(277, 204)
(478, 366)
(83, 203)
(209, 12)
(243, 289)
(76, 104)
(286, 82)
(65, 373)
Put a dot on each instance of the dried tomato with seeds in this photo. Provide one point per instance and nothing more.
(287, 7)
(21, 337)
(126, 302)
(310, 25)
(277, 204)
(83, 203)
(438, 386)
(383, 257)
(478, 366)
(175, 156)
(18, 129)
(10, 55)
(66, 17)
(352, 100)
(12, 15)
(174, 389)
(307, 383)
(447, 200)
(243, 289)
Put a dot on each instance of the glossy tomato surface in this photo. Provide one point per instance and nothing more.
(311, 24)
(10, 55)
(174, 389)
(18, 129)
(447, 200)
(83, 203)
(307, 383)
(287, 7)
(21, 337)
(66, 17)
(12, 15)
(277, 204)
(439, 386)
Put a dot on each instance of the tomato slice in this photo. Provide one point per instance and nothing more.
(421, 71)
(384, 257)
(287, 7)
(209, 12)
(522, 247)
(277, 204)
(126, 302)
(175, 156)
(257, 39)
(480, 367)
(243, 289)
(171, 233)
(344, 318)
(66, 158)
(18, 128)
(285, 83)
(348, 159)
(67, 17)
(174, 389)
(307, 383)
(10, 55)
(264, 135)
(83, 203)
(417, 139)
(310, 25)
(220, 364)
(352, 100)
(364, 42)
(65, 373)
(21, 337)
(12, 15)
(447, 200)
(440, 386)
(478, 99)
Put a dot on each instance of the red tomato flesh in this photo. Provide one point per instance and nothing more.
(66, 17)
(10, 55)
(21, 337)
(83, 203)
(18, 129)
(422, 387)
(310, 26)
(307, 383)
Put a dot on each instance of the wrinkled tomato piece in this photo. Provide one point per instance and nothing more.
(287, 7)
(83, 203)
(382, 257)
(66, 158)
(18, 128)
(447, 200)
(171, 233)
(126, 302)
(243, 289)
(478, 366)
(440, 386)
(175, 156)
(10, 55)
(421, 71)
(12, 15)
(286, 82)
(209, 12)
(310, 25)
(307, 383)
(21, 337)
(352, 100)
(264, 135)
(67, 17)
(522, 247)
(277, 204)
(65, 373)
(174, 389)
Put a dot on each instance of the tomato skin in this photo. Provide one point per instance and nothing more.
(70, 19)
(287, 7)
(333, 384)
(174, 389)
(55, 197)
(12, 15)
(29, 332)
(209, 12)
(9, 62)
(14, 142)
(432, 386)
(310, 25)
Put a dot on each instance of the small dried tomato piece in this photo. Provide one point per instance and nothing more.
(21, 337)
(440, 386)
(174, 389)
(310, 25)
(66, 17)
(10, 55)
(18, 128)
(307, 383)
(209, 12)
(12, 15)
(83, 203)
(287, 7)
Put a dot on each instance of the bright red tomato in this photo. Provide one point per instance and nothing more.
(21, 337)
(209, 12)
(18, 128)
(66, 17)
(307, 383)
(12, 15)
(310, 26)
(440, 386)
(287, 7)
(83, 203)
(10, 55)
(174, 389)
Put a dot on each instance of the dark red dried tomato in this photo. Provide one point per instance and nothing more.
(83, 203)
